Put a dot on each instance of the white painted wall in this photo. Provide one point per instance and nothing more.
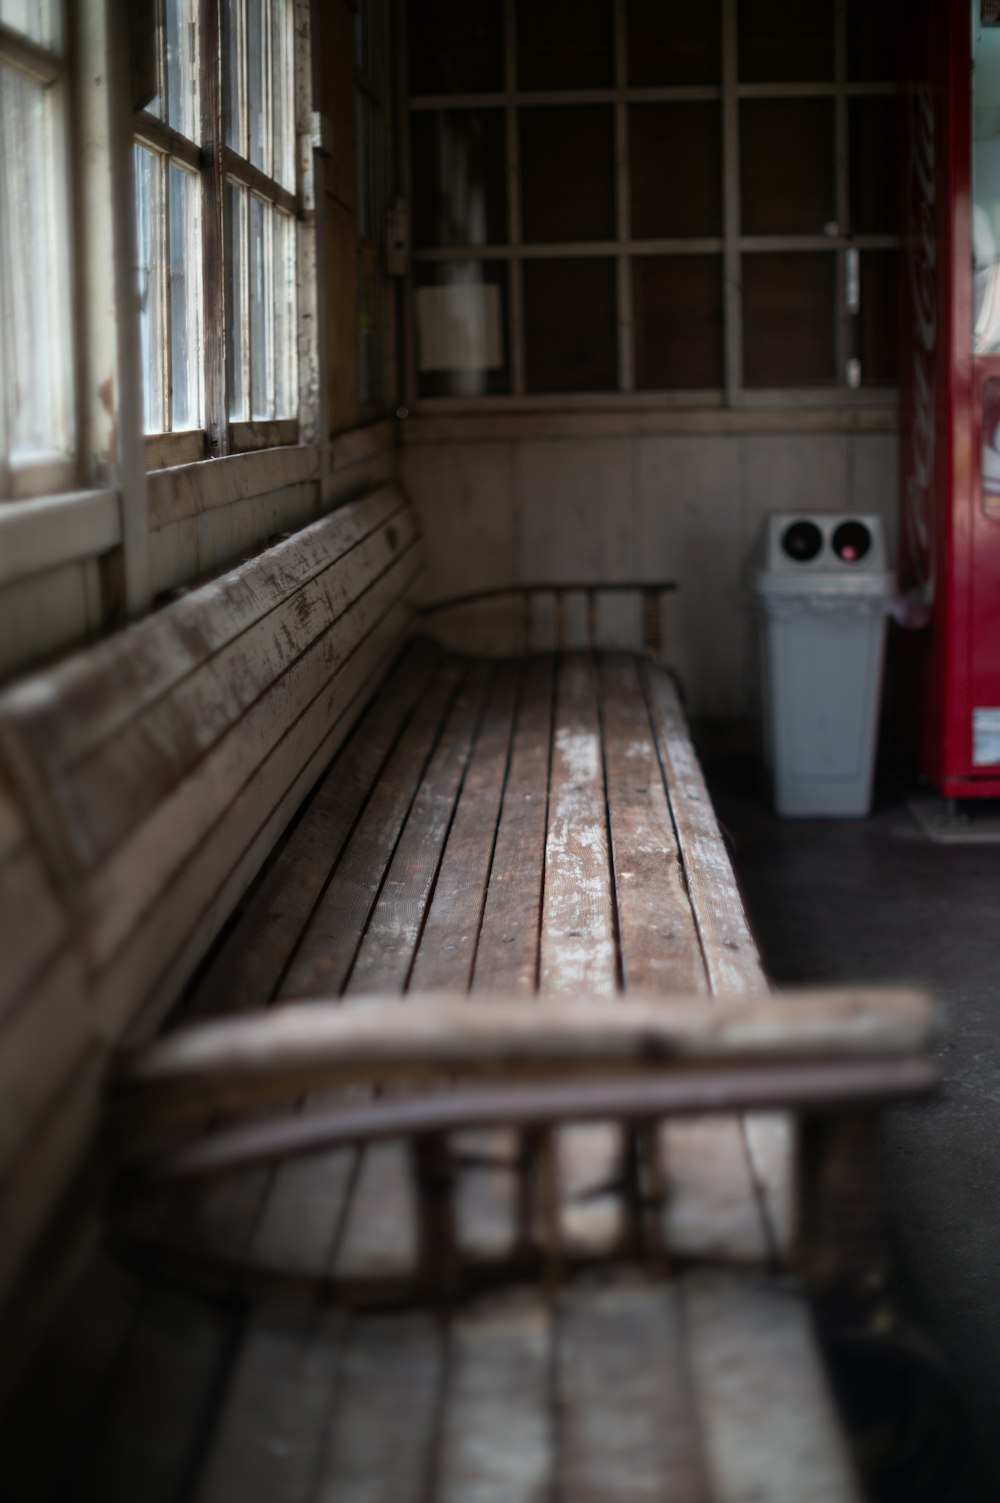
(648, 505)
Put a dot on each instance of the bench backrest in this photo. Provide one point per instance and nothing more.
(147, 777)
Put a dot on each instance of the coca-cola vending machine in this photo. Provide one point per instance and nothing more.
(949, 550)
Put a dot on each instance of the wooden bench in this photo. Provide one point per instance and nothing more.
(534, 831)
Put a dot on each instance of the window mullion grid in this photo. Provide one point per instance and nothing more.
(626, 341)
(166, 290)
(515, 277)
(733, 352)
(404, 126)
(214, 98)
(842, 331)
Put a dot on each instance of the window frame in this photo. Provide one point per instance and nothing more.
(217, 164)
(732, 245)
(57, 470)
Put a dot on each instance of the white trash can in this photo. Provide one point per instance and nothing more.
(823, 592)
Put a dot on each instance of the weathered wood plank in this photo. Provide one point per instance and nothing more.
(496, 1443)
(271, 1433)
(64, 714)
(507, 954)
(447, 948)
(731, 958)
(380, 1445)
(115, 787)
(659, 940)
(247, 967)
(224, 867)
(626, 1418)
(323, 960)
(159, 952)
(389, 945)
(765, 1410)
(578, 949)
(42, 1040)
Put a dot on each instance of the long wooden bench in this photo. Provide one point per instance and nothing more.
(536, 831)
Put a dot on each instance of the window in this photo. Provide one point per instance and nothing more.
(216, 209)
(37, 438)
(652, 201)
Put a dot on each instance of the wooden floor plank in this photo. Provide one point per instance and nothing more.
(731, 957)
(448, 945)
(380, 1446)
(765, 1411)
(247, 967)
(578, 940)
(507, 955)
(268, 1444)
(497, 1433)
(626, 1419)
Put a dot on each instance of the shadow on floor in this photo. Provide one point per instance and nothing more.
(875, 901)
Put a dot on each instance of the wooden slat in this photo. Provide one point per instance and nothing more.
(162, 948)
(578, 940)
(65, 715)
(247, 968)
(136, 873)
(381, 1230)
(115, 787)
(659, 940)
(225, 866)
(42, 1040)
(765, 1410)
(271, 1434)
(626, 1419)
(731, 958)
(496, 1442)
(447, 949)
(324, 957)
(381, 1437)
(507, 954)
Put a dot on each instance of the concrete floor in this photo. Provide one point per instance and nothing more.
(876, 901)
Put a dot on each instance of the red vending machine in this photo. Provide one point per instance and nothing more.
(949, 550)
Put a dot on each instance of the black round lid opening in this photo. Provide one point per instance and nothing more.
(802, 541)
(851, 541)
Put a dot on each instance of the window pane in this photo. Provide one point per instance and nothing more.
(785, 41)
(256, 43)
(873, 171)
(182, 67)
(34, 314)
(237, 342)
(152, 343)
(871, 40)
(786, 166)
(565, 44)
(878, 318)
(261, 389)
(459, 177)
(235, 44)
(675, 158)
(39, 20)
(567, 173)
(282, 93)
(677, 303)
(184, 267)
(461, 327)
(674, 42)
(285, 386)
(570, 325)
(985, 187)
(456, 47)
(789, 305)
